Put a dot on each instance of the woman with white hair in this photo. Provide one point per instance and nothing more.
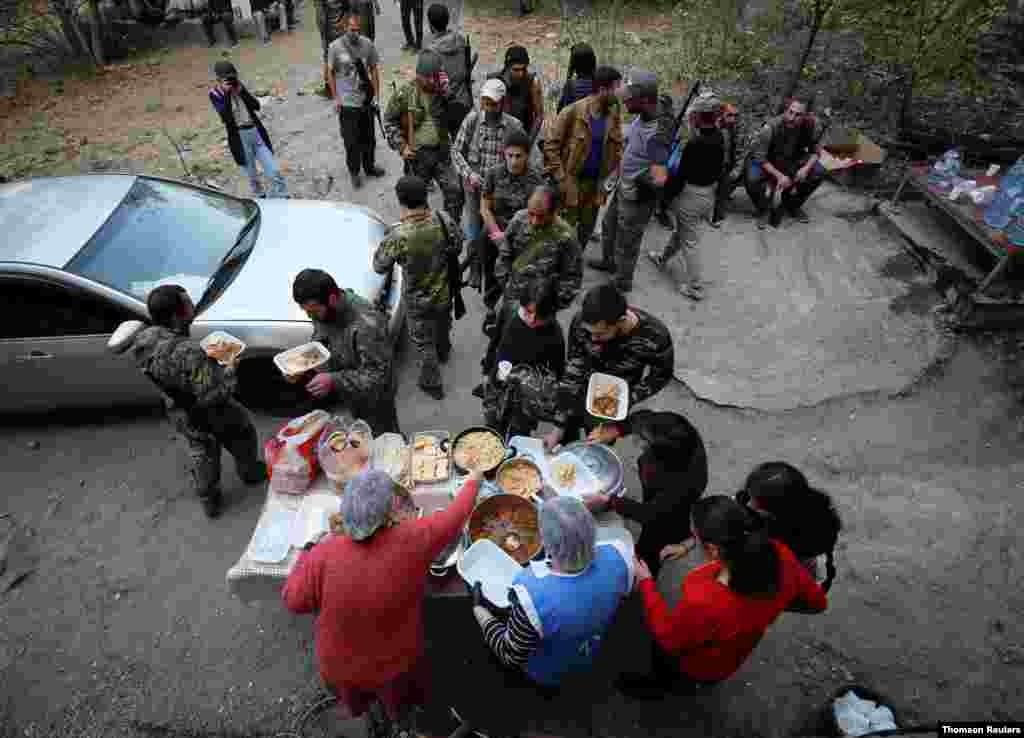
(562, 608)
(368, 587)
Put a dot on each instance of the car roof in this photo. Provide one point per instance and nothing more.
(48, 220)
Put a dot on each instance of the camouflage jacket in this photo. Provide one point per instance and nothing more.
(770, 142)
(361, 352)
(189, 379)
(548, 252)
(409, 99)
(645, 359)
(418, 244)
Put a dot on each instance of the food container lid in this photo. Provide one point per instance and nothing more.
(486, 563)
(281, 358)
(598, 378)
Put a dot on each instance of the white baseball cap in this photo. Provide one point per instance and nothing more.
(493, 89)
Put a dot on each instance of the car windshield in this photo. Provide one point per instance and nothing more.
(163, 233)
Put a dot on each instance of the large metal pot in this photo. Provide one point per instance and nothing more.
(602, 462)
(525, 524)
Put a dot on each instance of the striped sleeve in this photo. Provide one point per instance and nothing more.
(513, 641)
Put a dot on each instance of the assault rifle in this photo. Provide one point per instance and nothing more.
(368, 90)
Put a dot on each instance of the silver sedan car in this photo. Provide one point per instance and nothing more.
(80, 254)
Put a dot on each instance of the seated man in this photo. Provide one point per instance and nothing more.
(359, 373)
(560, 610)
(782, 168)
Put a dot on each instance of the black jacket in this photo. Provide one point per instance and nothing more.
(223, 107)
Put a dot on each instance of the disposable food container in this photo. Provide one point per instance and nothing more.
(281, 359)
(598, 379)
(222, 336)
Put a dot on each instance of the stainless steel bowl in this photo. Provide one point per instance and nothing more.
(602, 462)
(519, 461)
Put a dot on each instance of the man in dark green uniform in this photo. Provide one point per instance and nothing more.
(359, 373)
(424, 242)
(197, 394)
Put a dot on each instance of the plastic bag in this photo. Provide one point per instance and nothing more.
(291, 455)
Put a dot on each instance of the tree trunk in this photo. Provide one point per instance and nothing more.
(97, 33)
(819, 16)
(69, 27)
(908, 97)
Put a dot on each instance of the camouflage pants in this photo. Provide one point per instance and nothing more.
(622, 235)
(228, 426)
(435, 163)
(583, 215)
(430, 333)
(505, 415)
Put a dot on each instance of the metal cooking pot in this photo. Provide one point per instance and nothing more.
(507, 503)
(513, 462)
(509, 452)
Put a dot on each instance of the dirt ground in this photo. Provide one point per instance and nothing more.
(125, 627)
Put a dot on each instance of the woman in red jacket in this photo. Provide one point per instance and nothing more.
(367, 587)
(727, 604)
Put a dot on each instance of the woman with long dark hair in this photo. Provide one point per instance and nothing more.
(795, 513)
(727, 604)
(673, 471)
(579, 79)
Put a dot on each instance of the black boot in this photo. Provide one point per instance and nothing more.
(212, 504)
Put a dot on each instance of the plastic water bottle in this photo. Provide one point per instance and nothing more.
(1011, 187)
(944, 170)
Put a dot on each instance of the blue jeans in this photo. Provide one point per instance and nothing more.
(255, 149)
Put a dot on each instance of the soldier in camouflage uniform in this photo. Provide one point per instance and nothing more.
(416, 127)
(506, 189)
(533, 344)
(198, 396)
(359, 374)
(424, 243)
(611, 337)
(538, 247)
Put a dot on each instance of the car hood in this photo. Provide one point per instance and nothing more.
(339, 238)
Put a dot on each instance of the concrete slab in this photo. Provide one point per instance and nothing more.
(932, 230)
(799, 314)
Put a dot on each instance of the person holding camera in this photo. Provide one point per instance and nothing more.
(353, 74)
(247, 138)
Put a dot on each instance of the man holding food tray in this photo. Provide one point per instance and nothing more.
(359, 372)
(611, 337)
(197, 393)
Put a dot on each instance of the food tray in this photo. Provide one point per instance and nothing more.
(441, 438)
(486, 563)
(281, 358)
(599, 378)
(222, 336)
(398, 469)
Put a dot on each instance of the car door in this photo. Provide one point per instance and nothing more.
(53, 349)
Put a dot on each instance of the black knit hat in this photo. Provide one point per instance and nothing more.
(517, 55)
(225, 70)
(411, 191)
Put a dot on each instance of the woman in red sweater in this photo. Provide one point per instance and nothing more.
(727, 604)
(367, 587)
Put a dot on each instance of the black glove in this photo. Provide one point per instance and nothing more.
(478, 596)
